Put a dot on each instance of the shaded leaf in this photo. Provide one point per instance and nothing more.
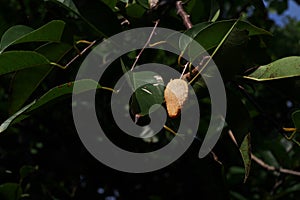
(135, 10)
(296, 119)
(52, 95)
(50, 32)
(70, 4)
(13, 34)
(237, 117)
(283, 68)
(238, 196)
(192, 33)
(149, 90)
(106, 22)
(291, 189)
(269, 158)
(26, 81)
(111, 3)
(7, 122)
(245, 150)
(64, 89)
(144, 3)
(210, 36)
(10, 191)
(198, 10)
(26, 170)
(17, 60)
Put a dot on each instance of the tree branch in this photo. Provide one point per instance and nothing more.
(185, 17)
(263, 164)
(146, 44)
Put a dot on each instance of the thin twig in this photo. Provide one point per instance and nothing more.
(146, 44)
(78, 54)
(185, 17)
(263, 164)
(272, 168)
(214, 155)
(82, 52)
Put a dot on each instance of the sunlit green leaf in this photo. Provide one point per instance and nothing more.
(214, 11)
(245, 150)
(216, 16)
(283, 68)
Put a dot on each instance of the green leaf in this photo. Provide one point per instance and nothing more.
(111, 3)
(10, 191)
(245, 150)
(198, 10)
(192, 33)
(70, 4)
(269, 158)
(214, 11)
(12, 61)
(296, 119)
(26, 170)
(52, 95)
(135, 10)
(26, 81)
(210, 36)
(283, 68)
(7, 122)
(50, 32)
(96, 14)
(99, 16)
(216, 16)
(237, 196)
(291, 189)
(144, 3)
(13, 34)
(64, 89)
(149, 90)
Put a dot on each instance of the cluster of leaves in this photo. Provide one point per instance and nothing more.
(35, 67)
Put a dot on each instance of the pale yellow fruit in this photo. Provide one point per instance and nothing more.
(176, 93)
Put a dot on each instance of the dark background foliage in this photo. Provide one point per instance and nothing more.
(42, 156)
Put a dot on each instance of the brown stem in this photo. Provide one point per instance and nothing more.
(146, 44)
(263, 164)
(185, 17)
(80, 53)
